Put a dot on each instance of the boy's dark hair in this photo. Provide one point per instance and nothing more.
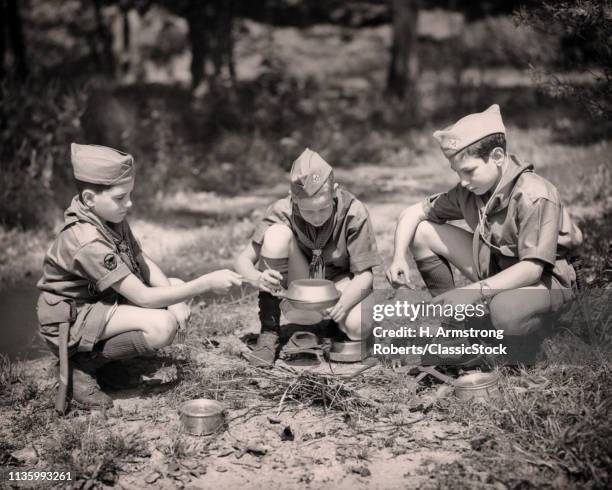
(81, 186)
(483, 148)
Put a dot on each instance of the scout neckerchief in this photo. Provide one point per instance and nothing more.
(124, 247)
(314, 238)
(481, 243)
(342, 204)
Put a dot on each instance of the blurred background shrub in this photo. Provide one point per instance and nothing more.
(39, 119)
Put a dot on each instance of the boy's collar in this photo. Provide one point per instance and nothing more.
(77, 211)
(514, 168)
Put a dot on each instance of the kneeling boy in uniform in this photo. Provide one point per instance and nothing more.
(517, 252)
(319, 231)
(100, 292)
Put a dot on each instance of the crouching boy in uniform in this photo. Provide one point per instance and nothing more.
(516, 254)
(319, 231)
(100, 291)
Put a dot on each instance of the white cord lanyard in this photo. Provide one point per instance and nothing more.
(480, 233)
(482, 213)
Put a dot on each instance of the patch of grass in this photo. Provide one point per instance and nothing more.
(16, 386)
(597, 249)
(33, 422)
(10, 373)
(538, 433)
(6, 448)
(91, 450)
(178, 448)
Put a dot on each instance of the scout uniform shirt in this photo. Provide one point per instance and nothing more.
(79, 268)
(523, 220)
(351, 249)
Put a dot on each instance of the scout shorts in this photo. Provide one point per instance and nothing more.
(86, 324)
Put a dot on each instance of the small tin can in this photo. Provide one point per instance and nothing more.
(477, 385)
(202, 416)
(348, 351)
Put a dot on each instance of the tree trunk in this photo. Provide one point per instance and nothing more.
(2, 37)
(15, 29)
(211, 41)
(126, 30)
(105, 38)
(402, 75)
(230, 44)
(198, 43)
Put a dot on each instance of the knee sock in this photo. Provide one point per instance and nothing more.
(436, 274)
(269, 312)
(123, 346)
(269, 305)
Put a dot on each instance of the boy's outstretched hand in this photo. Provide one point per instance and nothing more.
(397, 274)
(223, 280)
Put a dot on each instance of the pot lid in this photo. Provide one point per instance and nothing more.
(201, 407)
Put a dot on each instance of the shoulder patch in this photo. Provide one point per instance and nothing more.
(110, 262)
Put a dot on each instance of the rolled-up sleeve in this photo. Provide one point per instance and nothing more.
(444, 206)
(361, 241)
(98, 262)
(538, 230)
(277, 212)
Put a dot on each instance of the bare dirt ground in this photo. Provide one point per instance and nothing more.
(290, 429)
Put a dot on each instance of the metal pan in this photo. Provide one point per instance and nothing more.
(312, 305)
(477, 385)
(312, 291)
(202, 416)
(348, 351)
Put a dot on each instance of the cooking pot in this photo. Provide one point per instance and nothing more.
(312, 294)
(477, 385)
(348, 351)
(202, 416)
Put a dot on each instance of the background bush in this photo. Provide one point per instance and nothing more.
(38, 121)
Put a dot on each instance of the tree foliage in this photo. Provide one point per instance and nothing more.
(586, 27)
(38, 121)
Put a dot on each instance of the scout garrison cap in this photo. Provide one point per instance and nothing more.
(101, 164)
(308, 174)
(469, 130)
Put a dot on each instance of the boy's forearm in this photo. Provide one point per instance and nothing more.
(522, 274)
(407, 224)
(152, 272)
(246, 268)
(160, 296)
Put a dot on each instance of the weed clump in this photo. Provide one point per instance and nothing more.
(16, 388)
(560, 426)
(90, 452)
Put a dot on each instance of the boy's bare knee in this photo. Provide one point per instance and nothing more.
(161, 332)
(354, 327)
(504, 316)
(422, 237)
(352, 331)
(277, 241)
